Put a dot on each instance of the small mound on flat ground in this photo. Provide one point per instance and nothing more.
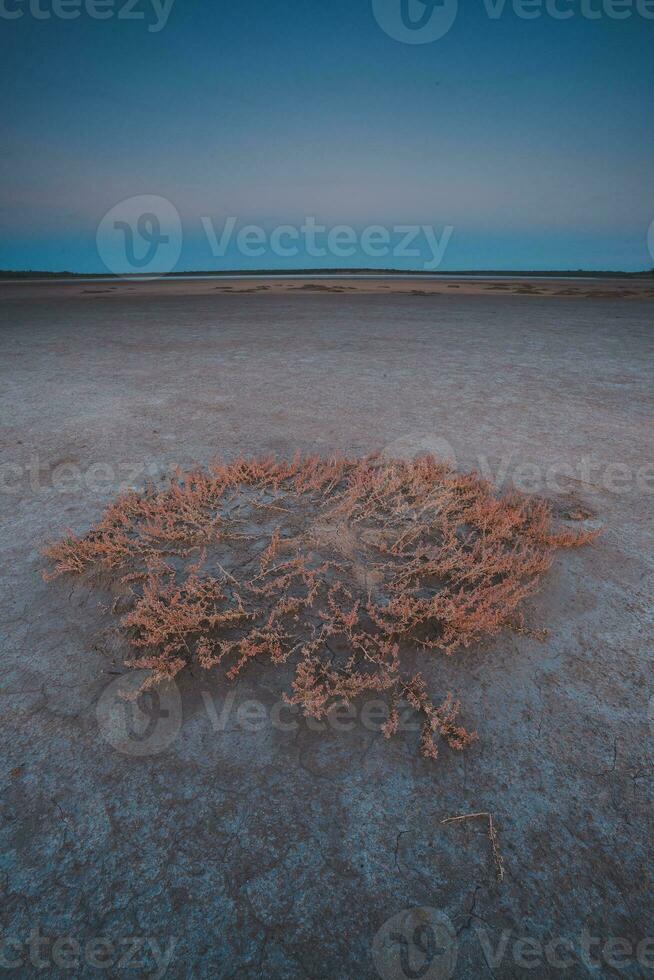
(335, 566)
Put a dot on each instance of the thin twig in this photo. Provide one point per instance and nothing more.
(492, 833)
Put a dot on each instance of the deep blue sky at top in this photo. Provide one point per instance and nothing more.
(534, 139)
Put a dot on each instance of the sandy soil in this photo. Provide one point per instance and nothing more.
(640, 289)
(281, 851)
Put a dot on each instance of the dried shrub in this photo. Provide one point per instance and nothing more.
(335, 566)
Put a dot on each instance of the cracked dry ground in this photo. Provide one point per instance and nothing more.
(281, 853)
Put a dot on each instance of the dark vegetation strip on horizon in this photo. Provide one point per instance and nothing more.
(289, 273)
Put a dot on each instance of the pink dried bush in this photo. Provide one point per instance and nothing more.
(337, 566)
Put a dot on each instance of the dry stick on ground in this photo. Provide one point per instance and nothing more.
(499, 862)
(372, 557)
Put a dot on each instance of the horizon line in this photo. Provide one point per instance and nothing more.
(323, 270)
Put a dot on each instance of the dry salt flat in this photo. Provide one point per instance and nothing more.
(235, 839)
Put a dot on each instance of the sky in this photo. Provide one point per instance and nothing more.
(518, 143)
